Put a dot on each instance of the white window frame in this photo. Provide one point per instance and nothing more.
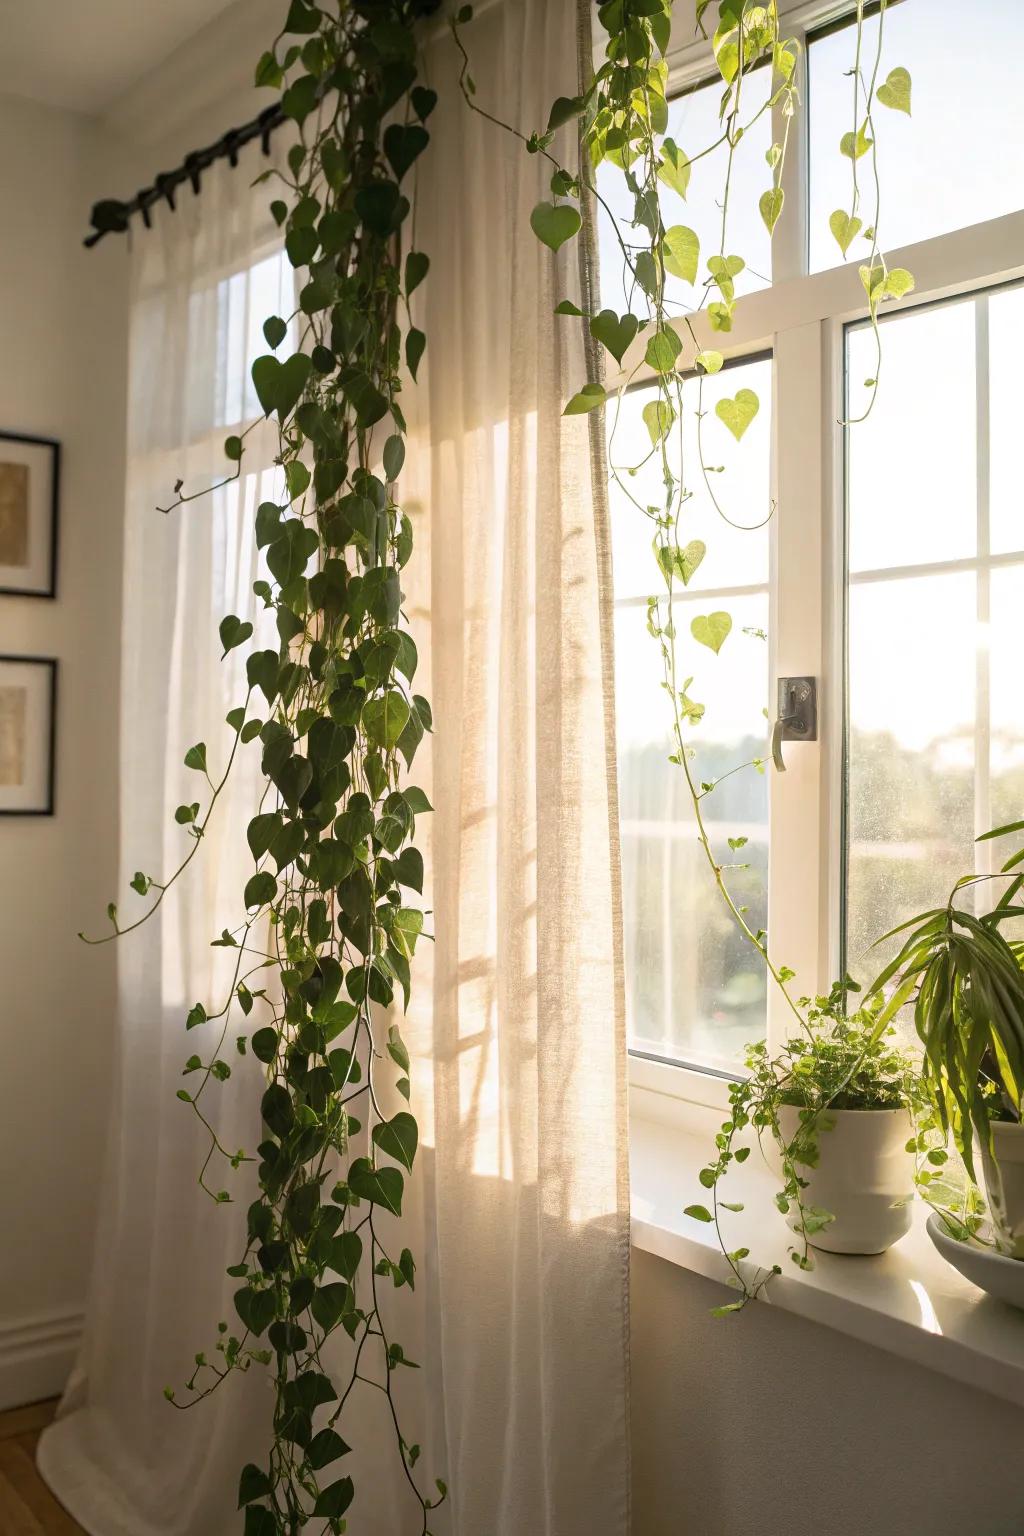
(801, 319)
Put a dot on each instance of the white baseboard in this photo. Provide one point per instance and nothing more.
(36, 1356)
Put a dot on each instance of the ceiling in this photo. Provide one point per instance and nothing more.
(84, 55)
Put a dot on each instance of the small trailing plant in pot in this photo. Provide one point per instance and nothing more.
(833, 1113)
(965, 978)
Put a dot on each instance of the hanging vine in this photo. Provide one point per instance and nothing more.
(622, 112)
(332, 921)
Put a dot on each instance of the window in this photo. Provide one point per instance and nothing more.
(892, 570)
(935, 579)
(940, 169)
(695, 992)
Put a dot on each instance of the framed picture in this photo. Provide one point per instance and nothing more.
(29, 496)
(28, 702)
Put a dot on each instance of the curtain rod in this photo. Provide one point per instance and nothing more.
(109, 216)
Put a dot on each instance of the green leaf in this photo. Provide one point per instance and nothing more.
(417, 266)
(403, 142)
(698, 1212)
(770, 206)
(658, 417)
(415, 345)
(680, 562)
(898, 282)
(564, 110)
(555, 223)
(195, 757)
(398, 1137)
(381, 1186)
(253, 1484)
(385, 717)
(279, 385)
(588, 399)
(894, 92)
(845, 229)
(710, 362)
(738, 413)
(393, 457)
(855, 145)
(674, 167)
(325, 1447)
(614, 331)
(663, 349)
(233, 632)
(681, 252)
(333, 1501)
(711, 629)
(260, 889)
(275, 330)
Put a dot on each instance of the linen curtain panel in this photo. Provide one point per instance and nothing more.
(518, 1211)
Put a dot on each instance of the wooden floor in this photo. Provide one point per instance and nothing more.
(27, 1507)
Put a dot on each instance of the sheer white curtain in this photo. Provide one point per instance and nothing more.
(123, 1460)
(518, 1213)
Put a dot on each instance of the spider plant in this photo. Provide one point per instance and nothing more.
(966, 979)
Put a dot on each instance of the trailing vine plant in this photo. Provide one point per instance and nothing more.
(622, 112)
(331, 916)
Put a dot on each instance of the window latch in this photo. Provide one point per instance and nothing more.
(797, 717)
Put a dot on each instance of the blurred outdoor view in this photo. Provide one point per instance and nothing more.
(696, 988)
(936, 601)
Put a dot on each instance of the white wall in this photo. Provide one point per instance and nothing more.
(62, 375)
(764, 1424)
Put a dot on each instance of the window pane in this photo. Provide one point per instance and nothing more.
(1006, 354)
(910, 815)
(960, 157)
(909, 503)
(936, 723)
(695, 988)
(735, 556)
(693, 124)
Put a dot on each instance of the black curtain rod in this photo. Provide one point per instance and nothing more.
(111, 217)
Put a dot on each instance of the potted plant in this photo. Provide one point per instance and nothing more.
(966, 980)
(833, 1112)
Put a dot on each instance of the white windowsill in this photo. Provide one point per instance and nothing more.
(908, 1301)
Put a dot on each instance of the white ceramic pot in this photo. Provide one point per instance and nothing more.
(1003, 1171)
(864, 1178)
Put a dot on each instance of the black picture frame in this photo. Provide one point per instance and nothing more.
(54, 447)
(49, 805)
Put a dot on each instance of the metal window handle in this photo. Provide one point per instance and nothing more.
(797, 717)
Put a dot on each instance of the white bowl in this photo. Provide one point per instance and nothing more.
(984, 1267)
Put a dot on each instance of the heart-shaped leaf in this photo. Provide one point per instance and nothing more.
(555, 223)
(275, 330)
(725, 266)
(381, 1186)
(588, 399)
(233, 632)
(898, 282)
(658, 416)
(398, 1137)
(711, 629)
(614, 332)
(662, 350)
(403, 142)
(674, 167)
(894, 93)
(675, 561)
(564, 110)
(385, 718)
(771, 207)
(845, 228)
(681, 252)
(279, 385)
(711, 362)
(854, 145)
(738, 413)
(417, 265)
(423, 101)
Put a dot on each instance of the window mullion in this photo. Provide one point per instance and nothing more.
(796, 796)
(982, 697)
(789, 242)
